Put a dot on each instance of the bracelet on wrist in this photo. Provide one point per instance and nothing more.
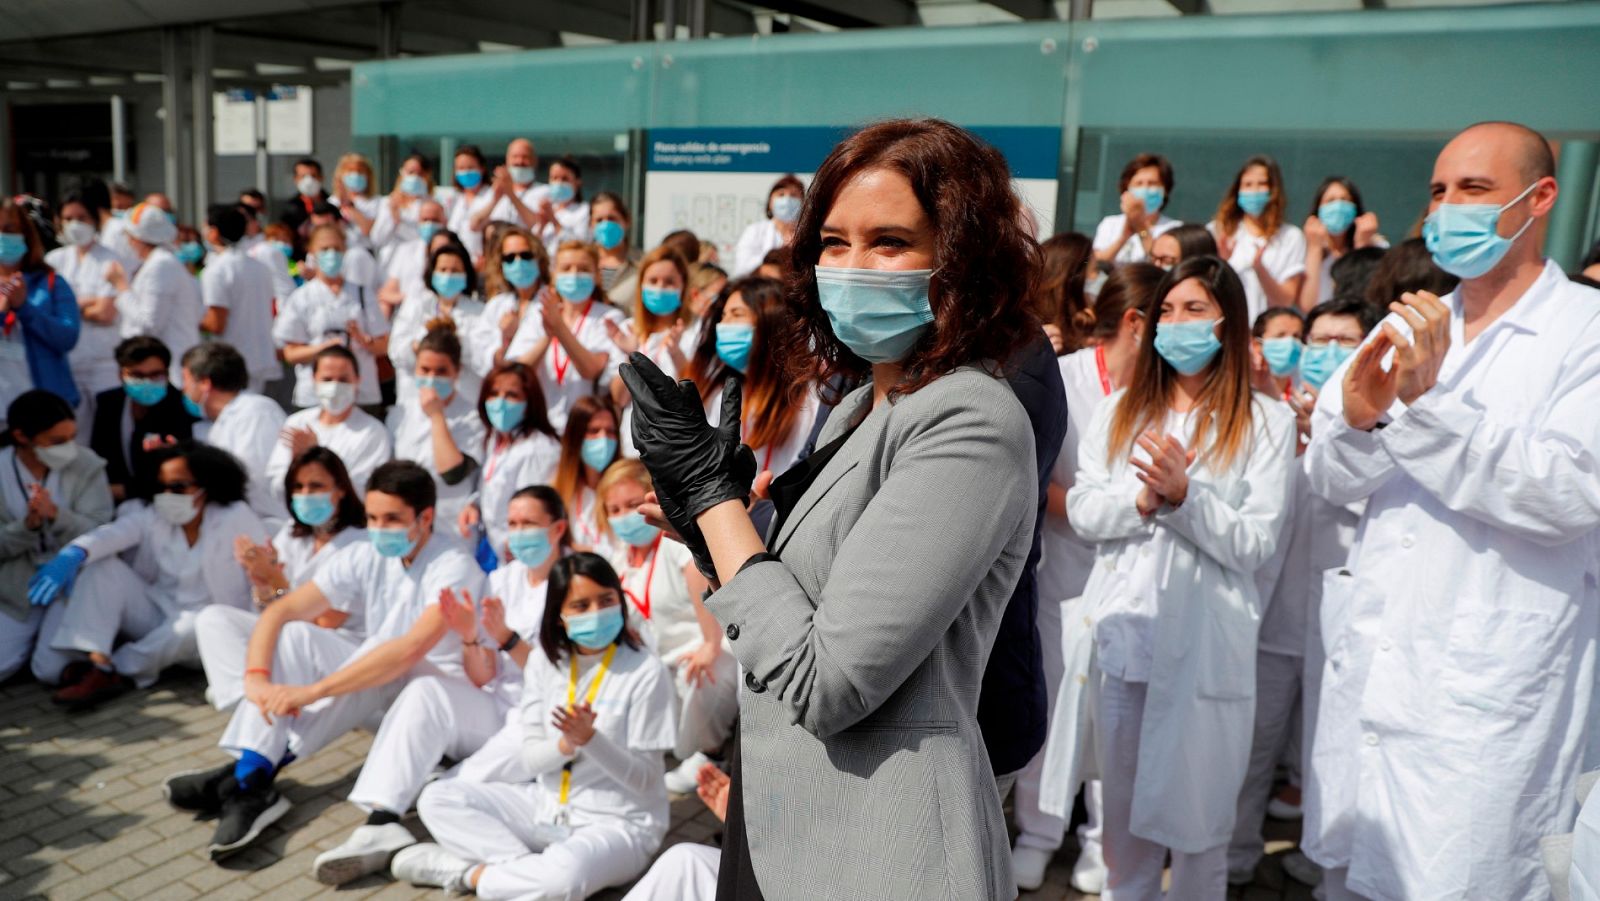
(510, 644)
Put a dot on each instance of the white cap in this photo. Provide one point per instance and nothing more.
(151, 224)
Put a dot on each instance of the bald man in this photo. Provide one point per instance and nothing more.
(1461, 637)
(514, 194)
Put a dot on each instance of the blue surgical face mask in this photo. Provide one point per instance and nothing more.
(448, 284)
(1188, 347)
(13, 247)
(632, 528)
(1320, 361)
(562, 191)
(520, 273)
(877, 313)
(504, 413)
(330, 262)
(531, 547)
(284, 248)
(414, 185)
(661, 301)
(392, 542)
(312, 509)
(608, 233)
(190, 253)
(522, 175)
(1282, 354)
(1337, 216)
(594, 630)
(428, 229)
(1254, 202)
(597, 453)
(733, 343)
(193, 408)
(438, 383)
(786, 208)
(145, 392)
(355, 181)
(575, 286)
(1151, 197)
(1464, 238)
(469, 178)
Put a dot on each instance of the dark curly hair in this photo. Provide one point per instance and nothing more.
(215, 470)
(986, 261)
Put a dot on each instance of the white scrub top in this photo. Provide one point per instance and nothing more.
(1110, 229)
(659, 585)
(163, 301)
(248, 428)
(413, 440)
(558, 377)
(1285, 258)
(314, 313)
(508, 469)
(93, 358)
(361, 441)
(234, 282)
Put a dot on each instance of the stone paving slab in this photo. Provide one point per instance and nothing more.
(81, 813)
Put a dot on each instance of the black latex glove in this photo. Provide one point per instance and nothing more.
(689, 533)
(695, 467)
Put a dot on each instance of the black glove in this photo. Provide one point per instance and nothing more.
(689, 533)
(694, 465)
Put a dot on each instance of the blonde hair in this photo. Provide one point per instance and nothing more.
(623, 470)
(355, 162)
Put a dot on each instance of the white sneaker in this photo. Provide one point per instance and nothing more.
(365, 852)
(686, 778)
(1028, 866)
(428, 864)
(1301, 869)
(1089, 872)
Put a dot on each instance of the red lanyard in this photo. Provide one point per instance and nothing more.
(1100, 363)
(494, 455)
(560, 364)
(649, 576)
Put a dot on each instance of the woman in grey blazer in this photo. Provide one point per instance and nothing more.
(863, 624)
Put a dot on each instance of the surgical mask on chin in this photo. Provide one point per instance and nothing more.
(633, 530)
(1282, 354)
(594, 630)
(1320, 361)
(57, 456)
(597, 453)
(531, 547)
(392, 542)
(1188, 347)
(521, 175)
(315, 510)
(77, 232)
(335, 397)
(879, 314)
(1464, 238)
(177, 509)
(193, 408)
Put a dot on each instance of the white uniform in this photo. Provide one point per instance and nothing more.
(223, 631)
(234, 282)
(479, 335)
(1325, 285)
(654, 347)
(267, 254)
(1110, 230)
(93, 358)
(572, 224)
(361, 441)
(383, 598)
(312, 314)
(248, 428)
(665, 615)
(1461, 642)
(153, 604)
(586, 531)
(413, 440)
(1285, 258)
(532, 197)
(163, 301)
(506, 470)
(368, 206)
(114, 237)
(759, 239)
(390, 228)
(458, 218)
(558, 376)
(776, 458)
(1175, 610)
(617, 809)
(404, 262)
(683, 872)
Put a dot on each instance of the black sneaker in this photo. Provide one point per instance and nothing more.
(244, 815)
(200, 790)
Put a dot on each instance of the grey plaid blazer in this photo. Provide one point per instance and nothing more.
(864, 773)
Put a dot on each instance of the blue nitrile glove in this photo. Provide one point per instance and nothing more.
(56, 577)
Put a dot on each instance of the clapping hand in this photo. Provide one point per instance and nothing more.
(459, 614)
(41, 507)
(298, 440)
(1166, 475)
(576, 725)
(260, 562)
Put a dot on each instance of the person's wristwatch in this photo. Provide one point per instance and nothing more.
(510, 644)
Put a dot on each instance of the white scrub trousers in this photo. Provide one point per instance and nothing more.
(683, 872)
(110, 601)
(1277, 695)
(495, 823)
(306, 653)
(224, 638)
(27, 640)
(706, 711)
(434, 717)
(1134, 864)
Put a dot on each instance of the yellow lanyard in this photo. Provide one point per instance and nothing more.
(588, 698)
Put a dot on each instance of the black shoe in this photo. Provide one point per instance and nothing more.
(200, 790)
(244, 815)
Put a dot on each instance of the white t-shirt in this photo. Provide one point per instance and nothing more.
(234, 282)
(1285, 258)
(361, 441)
(248, 428)
(1110, 229)
(93, 358)
(658, 585)
(507, 470)
(384, 597)
(1067, 560)
(558, 376)
(413, 440)
(163, 301)
(312, 314)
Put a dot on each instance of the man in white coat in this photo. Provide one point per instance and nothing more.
(240, 422)
(1461, 636)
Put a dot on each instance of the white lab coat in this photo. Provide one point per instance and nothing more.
(248, 428)
(314, 313)
(1452, 719)
(1195, 735)
(479, 335)
(93, 358)
(757, 240)
(413, 440)
(163, 301)
(530, 460)
(267, 254)
(572, 224)
(243, 286)
(361, 441)
(562, 384)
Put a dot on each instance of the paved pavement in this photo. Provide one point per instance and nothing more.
(81, 812)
